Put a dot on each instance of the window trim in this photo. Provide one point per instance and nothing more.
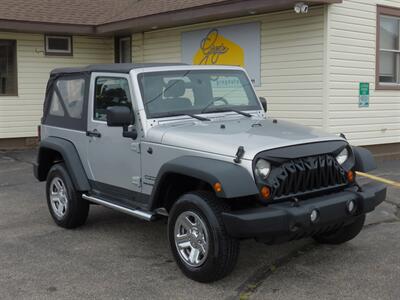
(15, 65)
(49, 52)
(117, 48)
(391, 12)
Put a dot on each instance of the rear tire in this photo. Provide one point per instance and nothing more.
(65, 204)
(343, 234)
(195, 229)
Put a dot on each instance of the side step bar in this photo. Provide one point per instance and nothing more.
(133, 212)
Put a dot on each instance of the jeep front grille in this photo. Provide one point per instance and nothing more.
(306, 175)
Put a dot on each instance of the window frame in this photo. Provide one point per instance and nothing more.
(117, 48)
(390, 12)
(49, 52)
(15, 65)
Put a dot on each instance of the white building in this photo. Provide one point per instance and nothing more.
(336, 67)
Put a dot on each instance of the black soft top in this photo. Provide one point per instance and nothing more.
(111, 68)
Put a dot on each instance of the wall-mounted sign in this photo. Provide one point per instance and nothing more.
(363, 94)
(237, 45)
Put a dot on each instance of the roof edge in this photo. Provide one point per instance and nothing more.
(203, 13)
(47, 27)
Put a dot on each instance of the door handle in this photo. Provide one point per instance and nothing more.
(93, 133)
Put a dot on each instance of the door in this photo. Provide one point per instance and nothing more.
(114, 161)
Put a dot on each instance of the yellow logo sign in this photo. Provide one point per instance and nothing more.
(215, 49)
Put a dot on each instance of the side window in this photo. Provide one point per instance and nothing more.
(110, 91)
(56, 108)
(72, 92)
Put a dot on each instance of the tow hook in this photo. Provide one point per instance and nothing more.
(295, 202)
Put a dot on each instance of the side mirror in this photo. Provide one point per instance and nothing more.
(121, 116)
(264, 103)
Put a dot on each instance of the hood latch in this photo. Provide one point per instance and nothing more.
(239, 155)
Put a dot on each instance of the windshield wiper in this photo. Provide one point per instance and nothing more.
(233, 110)
(194, 116)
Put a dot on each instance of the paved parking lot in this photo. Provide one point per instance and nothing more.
(115, 256)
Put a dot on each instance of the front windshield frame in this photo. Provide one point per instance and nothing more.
(247, 86)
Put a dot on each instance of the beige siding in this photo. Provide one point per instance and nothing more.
(20, 115)
(292, 60)
(351, 59)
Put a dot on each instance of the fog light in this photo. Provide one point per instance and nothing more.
(351, 206)
(314, 216)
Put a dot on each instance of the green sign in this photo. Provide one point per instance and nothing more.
(364, 95)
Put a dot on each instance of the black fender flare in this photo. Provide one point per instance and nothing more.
(235, 180)
(70, 157)
(364, 160)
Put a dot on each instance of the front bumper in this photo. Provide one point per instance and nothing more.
(287, 221)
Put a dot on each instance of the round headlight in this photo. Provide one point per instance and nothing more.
(262, 168)
(342, 156)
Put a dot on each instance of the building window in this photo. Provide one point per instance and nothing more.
(8, 68)
(58, 45)
(388, 48)
(123, 49)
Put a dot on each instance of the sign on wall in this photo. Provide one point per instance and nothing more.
(363, 94)
(238, 45)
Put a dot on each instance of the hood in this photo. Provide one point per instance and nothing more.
(225, 136)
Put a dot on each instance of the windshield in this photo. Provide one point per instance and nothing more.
(174, 93)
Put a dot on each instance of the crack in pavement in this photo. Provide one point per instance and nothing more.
(248, 287)
(397, 207)
(9, 155)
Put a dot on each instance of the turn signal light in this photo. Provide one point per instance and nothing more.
(218, 187)
(266, 192)
(350, 176)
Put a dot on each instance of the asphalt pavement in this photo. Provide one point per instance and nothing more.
(115, 256)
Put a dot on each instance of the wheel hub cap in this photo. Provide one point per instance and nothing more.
(58, 197)
(191, 239)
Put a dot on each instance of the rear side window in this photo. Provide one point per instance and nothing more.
(110, 91)
(56, 108)
(72, 93)
(67, 102)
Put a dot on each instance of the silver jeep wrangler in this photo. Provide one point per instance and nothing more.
(193, 144)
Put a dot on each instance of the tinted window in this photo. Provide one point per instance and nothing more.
(389, 50)
(123, 51)
(58, 45)
(110, 91)
(8, 67)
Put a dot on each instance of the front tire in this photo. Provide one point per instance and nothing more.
(199, 242)
(65, 204)
(343, 234)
